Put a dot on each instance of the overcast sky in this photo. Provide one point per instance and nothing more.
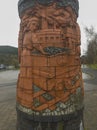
(9, 20)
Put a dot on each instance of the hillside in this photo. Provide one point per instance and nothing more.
(8, 50)
(9, 56)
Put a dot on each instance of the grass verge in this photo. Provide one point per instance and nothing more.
(93, 66)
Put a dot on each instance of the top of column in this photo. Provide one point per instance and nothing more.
(23, 5)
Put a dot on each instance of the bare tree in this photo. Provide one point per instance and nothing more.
(92, 45)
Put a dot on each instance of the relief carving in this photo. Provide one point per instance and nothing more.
(49, 53)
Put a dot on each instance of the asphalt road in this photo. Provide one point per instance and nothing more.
(8, 85)
(7, 93)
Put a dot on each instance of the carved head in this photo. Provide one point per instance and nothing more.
(33, 24)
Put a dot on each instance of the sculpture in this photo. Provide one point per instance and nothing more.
(50, 87)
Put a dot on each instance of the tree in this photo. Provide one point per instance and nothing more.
(92, 45)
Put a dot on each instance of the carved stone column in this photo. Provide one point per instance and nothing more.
(50, 87)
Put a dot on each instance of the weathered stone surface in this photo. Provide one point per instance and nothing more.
(50, 80)
(25, 4)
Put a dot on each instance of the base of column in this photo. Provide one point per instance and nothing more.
(66, 122)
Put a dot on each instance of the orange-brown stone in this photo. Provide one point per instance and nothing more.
(49, 55)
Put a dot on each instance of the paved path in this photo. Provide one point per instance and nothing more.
(8, 101)
(7, 108)
(90, 112)
(93, 74)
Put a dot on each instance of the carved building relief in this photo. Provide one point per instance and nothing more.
(49, 54)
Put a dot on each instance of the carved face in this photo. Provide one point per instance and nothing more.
(33, 24)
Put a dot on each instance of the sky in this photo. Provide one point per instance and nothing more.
(9, 21)
(87, 17)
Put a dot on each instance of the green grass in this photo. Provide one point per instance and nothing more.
(93, 66)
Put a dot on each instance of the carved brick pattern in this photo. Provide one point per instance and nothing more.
(49, 55)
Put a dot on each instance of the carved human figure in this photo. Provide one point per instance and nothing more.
(50, 86)
(30, 40)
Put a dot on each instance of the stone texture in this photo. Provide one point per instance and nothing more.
(23, 5)
(49, 55)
